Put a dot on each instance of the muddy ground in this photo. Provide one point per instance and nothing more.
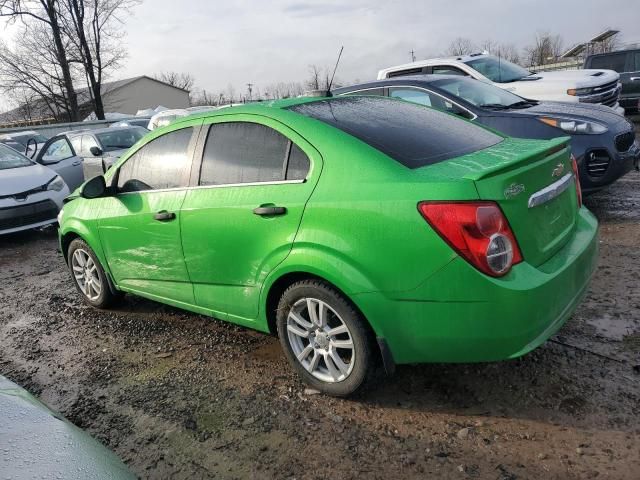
(178, 395)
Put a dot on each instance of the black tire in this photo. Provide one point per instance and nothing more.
(358, 333)
(106, 297)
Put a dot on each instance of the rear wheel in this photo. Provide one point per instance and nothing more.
(88, 275)
(324, 337)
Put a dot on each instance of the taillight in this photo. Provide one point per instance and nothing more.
(478, 231)
(574, 166)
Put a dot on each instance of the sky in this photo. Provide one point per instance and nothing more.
(264, 42)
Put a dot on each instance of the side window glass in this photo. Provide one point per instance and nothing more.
(411, 95)
(164, 162)
(242, 152)
(444, 70)
(77, 145)
(87, 142)
(612, 61)
(635, 61)
(298, 166)
(58, 151)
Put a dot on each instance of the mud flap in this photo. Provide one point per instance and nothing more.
(387, 357)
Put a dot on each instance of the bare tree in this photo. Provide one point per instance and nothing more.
(546, 48)
(47, 13)
(460, 46)
(93, 28)
(30, 71)
(315, 77)
(506, 51)
(184, 81)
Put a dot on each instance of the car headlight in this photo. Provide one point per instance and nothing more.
(574, 126)
(56, 184)
(576, 92)
(60, 215)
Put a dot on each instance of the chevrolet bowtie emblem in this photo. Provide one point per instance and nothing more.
(558, 171)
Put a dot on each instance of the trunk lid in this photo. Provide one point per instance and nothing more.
(532, 181)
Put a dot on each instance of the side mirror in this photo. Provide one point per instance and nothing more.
(94, 188)
(95, 151)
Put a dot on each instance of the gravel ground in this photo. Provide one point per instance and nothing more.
(183, 396)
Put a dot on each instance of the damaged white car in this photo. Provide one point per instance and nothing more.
(31, 195)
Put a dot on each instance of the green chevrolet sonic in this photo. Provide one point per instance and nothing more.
(362, 230)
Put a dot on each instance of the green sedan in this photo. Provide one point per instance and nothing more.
(364, 231)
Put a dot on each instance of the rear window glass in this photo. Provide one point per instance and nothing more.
(411, 134)
(613, 61)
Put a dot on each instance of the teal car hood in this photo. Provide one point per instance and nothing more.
(38, 443)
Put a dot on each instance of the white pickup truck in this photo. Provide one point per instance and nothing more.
(588, 86)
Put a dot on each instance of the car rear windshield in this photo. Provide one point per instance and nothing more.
(411, 134)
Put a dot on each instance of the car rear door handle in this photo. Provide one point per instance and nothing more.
(76, 163)
(164, 216)
(269, 211)
(633, 79)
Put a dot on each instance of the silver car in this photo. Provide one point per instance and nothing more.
(31, 195)
(102, 147)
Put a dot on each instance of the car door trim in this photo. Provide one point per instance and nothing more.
(550, 192)
(199, 187)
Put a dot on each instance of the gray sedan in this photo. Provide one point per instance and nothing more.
(602, 141)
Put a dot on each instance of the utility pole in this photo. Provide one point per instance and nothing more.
(249, 89)
(413, 55)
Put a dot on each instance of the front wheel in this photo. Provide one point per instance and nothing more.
(324, 338)
(88, 275)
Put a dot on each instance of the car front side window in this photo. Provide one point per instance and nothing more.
(164, 162)
(57, 151)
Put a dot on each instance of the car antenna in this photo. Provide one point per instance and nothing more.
(334, 70)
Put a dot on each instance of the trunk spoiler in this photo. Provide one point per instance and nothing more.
(501, 161)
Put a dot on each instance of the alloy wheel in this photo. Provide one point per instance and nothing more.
(320, 340)
(86, 274)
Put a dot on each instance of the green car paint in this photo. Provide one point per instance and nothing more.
(354, 222)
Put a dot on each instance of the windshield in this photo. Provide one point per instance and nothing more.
(478, 93)
(9, 158)
(120, 139)
(22, 139)
(498, 69)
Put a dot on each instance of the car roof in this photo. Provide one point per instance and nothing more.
(604, 54)
(413, 80)
(256, 108)
(89, 131)
(435, 61)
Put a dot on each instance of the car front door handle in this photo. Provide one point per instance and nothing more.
(164, 216)
(269, 211)
(76, 163)
(634, 79)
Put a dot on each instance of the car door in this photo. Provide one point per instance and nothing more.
(92, 163)
(631, 79)
(254, 182)
(59, 155)
(139, 226)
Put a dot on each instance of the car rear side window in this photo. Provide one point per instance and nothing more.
(298, 165)
(243, 152)
(162, 163)
(411, 134)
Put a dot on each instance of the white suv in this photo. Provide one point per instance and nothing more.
(590, 86)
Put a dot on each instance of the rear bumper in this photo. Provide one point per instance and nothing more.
(461, 315)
